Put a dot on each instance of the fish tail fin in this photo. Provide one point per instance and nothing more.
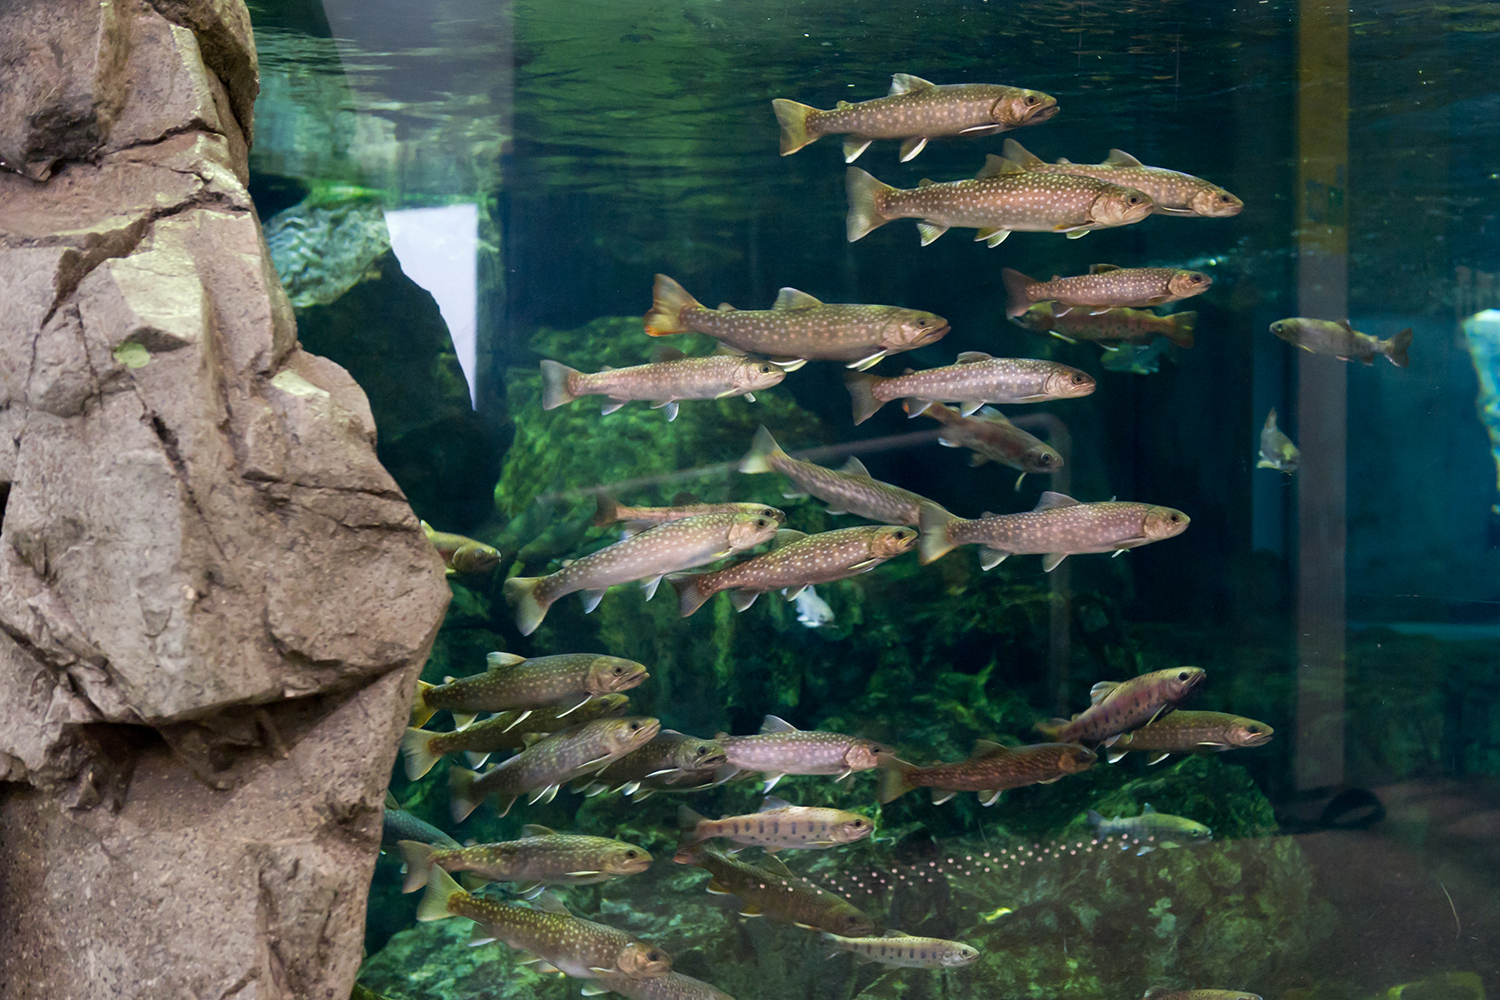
(462, 799)
(1395, 348)
(1095, 820)
(520, 591)
(758, 458)
(1052, 728)
(418, 858)
(933, 523)
(792, 117)
(690, 597)
(893, 783)
(437, 903)
(1017, 292)
(668, 300)
(687, 823)
(416, 747)
(1180, 332)
(557, 384)
(608, 510)
(420, 710)
(861, 386)
(866, 196)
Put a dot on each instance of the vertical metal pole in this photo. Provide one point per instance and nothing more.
(1322, 388)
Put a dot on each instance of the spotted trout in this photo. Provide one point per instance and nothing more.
(636, 519)
(1133, 326)
(460, 553)
(541, 857)
(1321, 336)
(398, 825)
(770, 889)
(422, 748)
(903, 950)
(672, 986)
(1166, 993)
(665, 381)
(1149, 823)
(915, 111)
(778, 824)
(1104, 287)
(512, 681)
(669, 759)
(990, 437)
(1191, 733)
(1117, 707)
(990, 770)
(974, 380)
(1172, 192)
(780, 748)
(847, 490)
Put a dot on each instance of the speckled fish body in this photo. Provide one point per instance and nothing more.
(1276, 449)
(799, 561)
(1173, 192)
(506, 731)
(974, 380)
(1133, 326)
(648, 556)
(781, 748)
(397, 825)
(777, 825)
(662, 382)
(1192, 732)
(1321, 336)
(849, 490)
(552, 761)
(1120, 706)
(672, 986)
(670, 758)
(1164, 993)
(775, 892)
(993, 438)
(460, 553)
(1000, 199)
(637, 519)
(540, 857)
(989, 771)
(1104, 287)
(1058, 527)
(1149, 823)
(906, 951)
(915, 110)
(797, 327)
(514, 682)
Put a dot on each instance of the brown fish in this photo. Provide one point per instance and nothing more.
(797, 328)
(648, 556)
(990, 770)
(915, 110)
(798, 561)
(847, 490)
(992, 438)
(974, 380)
(636, 519)
(770, 889)
(905, 951)
(423, 748)
(460, 553)
(1276, 449)
(670, 759)
(1119, 706)
(1058, 527)
(1104, 287)
(665, 381)
(397, 825)
(1173, 192)
(1133, 326)
(1164, 993)
(541, 857)
(780, 748)
(1000, 199)
(672, 986)
(1191, 732)
(777, 824)
(515, 682)
(1320, 336)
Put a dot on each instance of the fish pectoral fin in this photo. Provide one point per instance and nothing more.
(911, 147)
(520, 718)
(1051, 560)
(989, 796)
(1066, 340)
(794, 496)
(1115, 756)
(581, 874)
(771, 780)
(601, 970)
(749, 911)
(930, 230)
(869, 362)
(1078, 234)
(1158, 758)
(750, 396)
(941, 795)
(982, 130)
(970, 407)
(843, 775)
(865, 566)
(568, 711)
(630, 787)
(593, 989)
(788, 364)
(716, 888)
(730, 392)
(545, 795)
(855, 145)
(664, 772)
(1050, 781)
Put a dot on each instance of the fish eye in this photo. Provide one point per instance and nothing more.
(1044, 459)
(761, 522)
(1079, 378)
(765, 369)
(1174, 518)
(1134, 199)
(630, 854)
(1183, 675)
(634, 726)
(1031, 99)
(1224, 199)
(619, 669)
(653, 956)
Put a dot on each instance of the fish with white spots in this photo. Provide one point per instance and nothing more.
(780, 748)
(975, 379)
(991, 437)
(847, 490)
(776, 825)
(670, 377)
(1105, 287)
(1173, 192)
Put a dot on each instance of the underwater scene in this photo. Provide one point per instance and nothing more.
(941, 498)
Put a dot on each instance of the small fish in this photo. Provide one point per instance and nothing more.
(1058, 527)
(974, 380)
(770, 889)
(1162, 993)
(669, 378)
(554, 939)
(1174, 193)
(1118, 707)
(638, 519)
(1149, 823)
(1136, 358)
(995, 914)
(670, 759)
(915, 111)
(672, 986)
(847, 490)
(549, 763)
(1276, 449)
(990, 770)
(1321, 336)
(1133, 326)
(781, 749)
(1191, 732)
(797, 328)
(423, 748)
(397, 825)
(896, 948)
(812, 610)
(515, 682)
(541, 857)
(993, 438)
(777, 824)
(648, 556)
(797, 561)
(461, 554)
(1106, 286)
(1000, 199)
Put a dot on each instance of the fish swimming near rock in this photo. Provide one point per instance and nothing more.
(1321, 336)
(974, 380)
(797, 561)
(905, 951)
(460, 553)
(780, 748)
(991, 437)
(1133, 326)
(812, 610)
(1000, 199)
(1172, 192)
(647, 557)
(1276, 449)
(397, 825)
(1149, 823)
(541, 857)
(1105, 287)
(1138, 359)
(798, 328)
(552, 938)
(423, 748)
(638, 519)
(770, 889)
(672, 986)
(1118, 707)
(1191, 733)
(915, 111)
(514, 681)
(670, 377)
(778, 824)
(990, 770)
(670, 759)
(847, 490)
(1056, 528)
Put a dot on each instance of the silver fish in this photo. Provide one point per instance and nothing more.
(974, 380)
(847, 490)
(812, 610)
(780, 748)
(1321, 336)
(993, 438)
(1104, 287)
(1276, 449)
(664, 382)
(1174, 193)
(903, 950)
(1118, 707)
(778, 824)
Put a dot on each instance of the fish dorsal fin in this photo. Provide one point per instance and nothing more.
(1147, 809)
(390, 801)
(665, 353)
(905, 83)
(973, 357)
(1120, 158)
(772, 802)
(537, 830)
(548, 903)
(728, 350)
(498, 659)
(685, 499)
(1104, 268)
(791, 298)
(776, 866)
(893, 933)
(1345, 324)
(787, 536)
(1098, 692)
(1051, 500)
(1018, 153)
(725, 307)
(997, 166)
(776, 724)
(988, 748)
(988, 513)
(841, 105)
(854, 467)
(925, 182)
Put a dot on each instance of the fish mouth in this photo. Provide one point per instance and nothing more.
(1042, 113)
(1255, 739)
(931, 336)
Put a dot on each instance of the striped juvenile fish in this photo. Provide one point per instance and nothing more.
(798, 561)
(990, 770)
(1104, 287)
(1000, 199)
(896, 948)
(992, 438)
(398, 825)
(781, 749)
(672, 986)
(551, 762)
(1149, 823)
(1133, 326)
(423, 748)
(665, 381)
(550, 934)
(1118, 707)
(568, 679)
(541, 857)
(771, 890)
(798, 328)
(915, 111)
(648, 556)
(1058, 527)
(974, 380)
(1321, 336)
(848, 490)
(460, 553)
(1174, 193)
(776, 825)
(1276, 449)
(671, 758)
(1191, 732)
(637, 519)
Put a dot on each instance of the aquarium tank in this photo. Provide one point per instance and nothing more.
(898, 323)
